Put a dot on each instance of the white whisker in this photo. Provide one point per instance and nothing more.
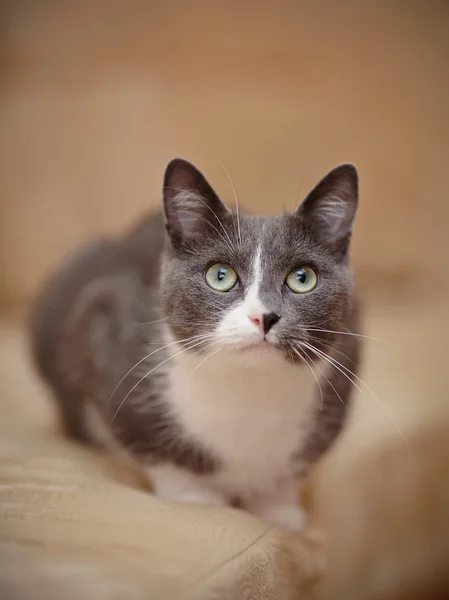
(186, 340)
(330, 360)
(368, 337)
(185, 194)
(315, 338)
(152, 371)
(337, 365)
(236, 201)
(328, 381)
(301, 356)
(153, 322)
(231, 249)
(208, 356)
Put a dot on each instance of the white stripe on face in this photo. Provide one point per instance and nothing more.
(237, 324)
(252, 303)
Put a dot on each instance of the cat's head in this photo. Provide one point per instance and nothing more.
(266, 284)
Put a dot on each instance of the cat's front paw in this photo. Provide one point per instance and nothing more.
(177, 485)
(199, 497)
(289, 517)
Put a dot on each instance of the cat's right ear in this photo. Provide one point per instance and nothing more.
(191, 207)
(330, 208)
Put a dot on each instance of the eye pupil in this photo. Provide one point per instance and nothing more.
(301, 275)
(221, 277)
(302, 280)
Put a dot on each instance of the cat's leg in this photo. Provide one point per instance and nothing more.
(281, 507)
(179, 485)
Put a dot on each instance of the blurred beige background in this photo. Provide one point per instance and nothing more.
(96, 97)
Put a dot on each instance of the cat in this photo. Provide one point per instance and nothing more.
(215, 352)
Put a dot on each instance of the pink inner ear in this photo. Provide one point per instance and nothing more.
(189, 221)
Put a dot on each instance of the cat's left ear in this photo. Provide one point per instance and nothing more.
(330, 208)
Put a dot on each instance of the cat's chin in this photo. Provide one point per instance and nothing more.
(256, 353)
(257, 346)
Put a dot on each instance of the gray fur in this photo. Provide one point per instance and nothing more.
(111, 305)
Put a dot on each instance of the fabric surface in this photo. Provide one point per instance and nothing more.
(76, 524)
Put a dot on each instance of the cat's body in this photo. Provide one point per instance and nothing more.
(226, 395)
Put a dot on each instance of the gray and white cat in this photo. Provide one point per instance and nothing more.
(219, 353)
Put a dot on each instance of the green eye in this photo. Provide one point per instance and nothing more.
(302, 280)
(221, 278)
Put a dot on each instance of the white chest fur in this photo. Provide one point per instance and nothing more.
(251, 409)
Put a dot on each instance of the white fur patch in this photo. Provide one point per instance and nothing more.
(250, 410)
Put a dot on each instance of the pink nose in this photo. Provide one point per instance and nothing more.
(257, 320)
(264, 321)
